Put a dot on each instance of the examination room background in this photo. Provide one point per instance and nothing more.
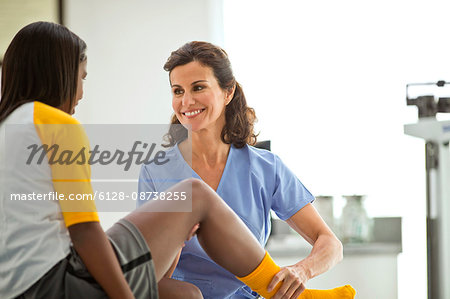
(327, 80)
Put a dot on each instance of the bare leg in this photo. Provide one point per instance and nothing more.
(171, 289)
(222, 233)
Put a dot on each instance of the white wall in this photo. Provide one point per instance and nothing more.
(128, 44)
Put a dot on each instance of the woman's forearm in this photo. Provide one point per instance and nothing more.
(326, 253)
(92, 245)
(327, 249)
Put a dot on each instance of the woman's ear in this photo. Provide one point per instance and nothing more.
(229, 94)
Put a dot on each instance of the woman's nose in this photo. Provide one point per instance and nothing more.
(187, 99)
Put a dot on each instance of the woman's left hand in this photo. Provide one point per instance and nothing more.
(292, 278)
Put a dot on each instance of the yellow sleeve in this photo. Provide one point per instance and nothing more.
(68, 156)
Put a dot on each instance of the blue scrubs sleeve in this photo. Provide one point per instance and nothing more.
(289, 196)
(145, 184)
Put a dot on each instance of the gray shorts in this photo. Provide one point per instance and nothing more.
(70, 279)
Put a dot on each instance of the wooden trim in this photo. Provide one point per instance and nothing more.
(61, 16)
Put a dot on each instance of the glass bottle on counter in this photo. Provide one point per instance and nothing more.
(356, 226)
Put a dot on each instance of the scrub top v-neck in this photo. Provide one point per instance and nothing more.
(254, 181)
(195, 174)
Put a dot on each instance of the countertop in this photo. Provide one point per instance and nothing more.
(386, 239)
(291, 245)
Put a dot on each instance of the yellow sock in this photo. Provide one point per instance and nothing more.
(345, 292)
(260, 278)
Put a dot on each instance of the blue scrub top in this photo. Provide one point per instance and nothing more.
(253, 182)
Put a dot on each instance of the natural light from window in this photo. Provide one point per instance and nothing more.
(327, 80)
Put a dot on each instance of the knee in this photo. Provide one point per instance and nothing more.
(200, 190)
(196, 184)
(202, 196)
(171, 289)
(192, 292)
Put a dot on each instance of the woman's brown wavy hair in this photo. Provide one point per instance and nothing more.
(239, 118)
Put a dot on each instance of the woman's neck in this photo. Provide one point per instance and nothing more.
(208, 148)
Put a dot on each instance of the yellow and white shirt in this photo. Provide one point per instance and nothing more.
(33, 226)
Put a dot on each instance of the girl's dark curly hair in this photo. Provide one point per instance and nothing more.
(239, 118)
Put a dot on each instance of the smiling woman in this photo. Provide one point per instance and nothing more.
(207, 98)
(198, 103)
(210, 80)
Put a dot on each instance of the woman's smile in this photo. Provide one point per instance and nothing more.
(193, 113)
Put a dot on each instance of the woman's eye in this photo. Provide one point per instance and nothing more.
(198, 88)
(177, 91)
